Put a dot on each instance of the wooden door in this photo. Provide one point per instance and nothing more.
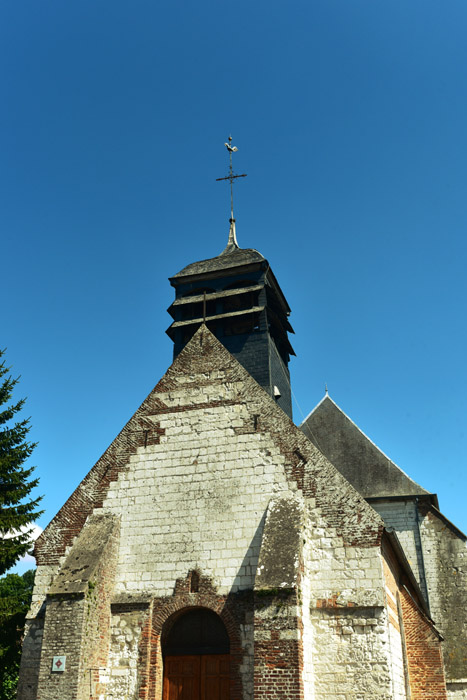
(215, 677)
(205, 677)
(182, 678)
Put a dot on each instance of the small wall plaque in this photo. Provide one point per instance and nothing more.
(58, 664)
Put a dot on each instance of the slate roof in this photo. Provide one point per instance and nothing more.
(234, 258)
(231, 256)
(362, 463)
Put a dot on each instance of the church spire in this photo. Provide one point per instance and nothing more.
(232, 242)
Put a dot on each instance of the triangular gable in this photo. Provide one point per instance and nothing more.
(179, 390)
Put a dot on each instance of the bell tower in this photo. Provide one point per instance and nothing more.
(238, 297)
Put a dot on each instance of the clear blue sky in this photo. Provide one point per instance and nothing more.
(350, 119)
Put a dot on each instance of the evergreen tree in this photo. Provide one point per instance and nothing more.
(16, 511)
(15, 599)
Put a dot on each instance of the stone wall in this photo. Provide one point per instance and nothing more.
(210, 431)
(63, 635)
(445, 553)
(122, 674)
(76, 618)
(31, 657)
(197, 496)
(194, 476)
(95, 643)
(349, 635)
(34, 629)
(34, 632)
(278, 624)
(197, 499)
(457, 690)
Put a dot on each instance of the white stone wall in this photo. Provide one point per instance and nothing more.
(307, 638)
(198, 498)
(350, 574)
(457, 691)
(442, 551)
(42, 580)
(355, 663)
(121, 675)
(445, 555)
(349, 619)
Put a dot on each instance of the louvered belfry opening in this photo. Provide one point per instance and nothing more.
(238, 297)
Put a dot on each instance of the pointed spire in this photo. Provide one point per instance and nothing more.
(232, 242)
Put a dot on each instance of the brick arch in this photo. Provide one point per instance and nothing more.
(162, 611)
(177, 608)
(222, 638)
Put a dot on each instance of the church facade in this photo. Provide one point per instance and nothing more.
(217, 551)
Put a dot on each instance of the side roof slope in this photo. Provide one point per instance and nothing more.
(362, 463)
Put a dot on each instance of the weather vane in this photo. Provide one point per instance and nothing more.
(231, 177)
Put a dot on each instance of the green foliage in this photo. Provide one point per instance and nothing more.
(16, 511)
(15, 599)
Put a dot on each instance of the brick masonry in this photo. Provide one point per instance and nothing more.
(424, 655)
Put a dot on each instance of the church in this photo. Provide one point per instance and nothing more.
(217, 551)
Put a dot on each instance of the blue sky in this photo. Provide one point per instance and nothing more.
(350, 119)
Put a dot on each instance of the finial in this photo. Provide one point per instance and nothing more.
(232, 241)
(326, 389)
(229, 146)
(231, 177)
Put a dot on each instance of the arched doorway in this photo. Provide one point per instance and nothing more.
(196, 654)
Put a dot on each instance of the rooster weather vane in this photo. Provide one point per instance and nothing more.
(231, 177)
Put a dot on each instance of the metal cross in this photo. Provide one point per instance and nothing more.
(231, 149)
